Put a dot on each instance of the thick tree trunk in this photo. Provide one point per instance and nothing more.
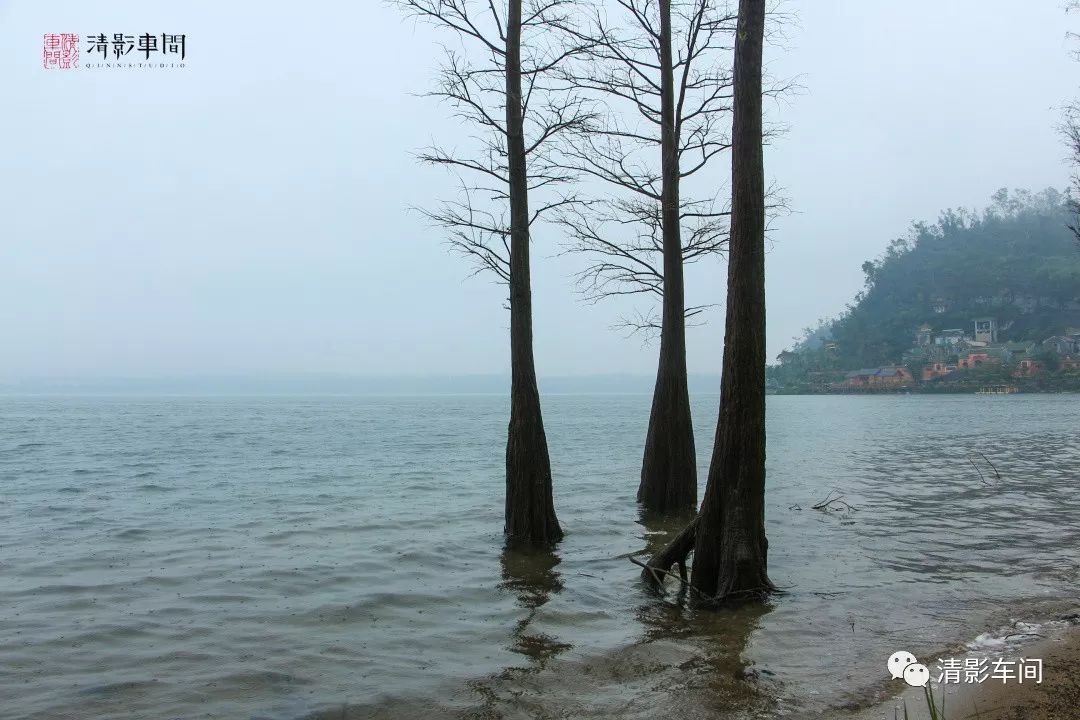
(731, 552)
(669, 468)
(530, 509)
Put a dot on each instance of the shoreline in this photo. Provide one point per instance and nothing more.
(1057, 697)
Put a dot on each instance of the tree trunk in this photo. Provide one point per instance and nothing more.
(530, 509)
(669, 468)
(731, 552)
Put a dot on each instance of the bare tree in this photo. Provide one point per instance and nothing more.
(727, 537)
(499, 85)
(1070, 130)
(623, 240)
(656, 67)
(731, 552)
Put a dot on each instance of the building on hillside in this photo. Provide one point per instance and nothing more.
(937, 370)
(986, 330)
(1070, 363)
(890, 376)
(1061, 344)
(858, 378)
(925, 335)
(953, 336)
(894, 375)
(977, 357)
(1029, 367)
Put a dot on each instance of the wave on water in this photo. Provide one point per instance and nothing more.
(133, 534)
(1019, 633)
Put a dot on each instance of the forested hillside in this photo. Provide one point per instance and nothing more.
(1016, 260)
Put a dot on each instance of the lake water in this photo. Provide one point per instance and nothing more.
(342, 557)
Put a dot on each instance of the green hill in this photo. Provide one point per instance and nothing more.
(1015, 261)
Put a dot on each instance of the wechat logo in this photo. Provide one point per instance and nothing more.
(903, 664)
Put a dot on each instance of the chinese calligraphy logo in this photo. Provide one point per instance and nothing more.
(119, 45)
(114, 50)
(60, 51)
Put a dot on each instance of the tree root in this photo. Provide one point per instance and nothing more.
(674, 553)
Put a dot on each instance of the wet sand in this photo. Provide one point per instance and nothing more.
(1057, 697)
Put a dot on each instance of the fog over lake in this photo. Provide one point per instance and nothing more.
(249, 213)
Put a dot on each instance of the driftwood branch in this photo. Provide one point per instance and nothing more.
(982, 477)
(832, 503)
(655, 572)
(992, 466)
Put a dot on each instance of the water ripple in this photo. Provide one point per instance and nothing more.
(341, 557)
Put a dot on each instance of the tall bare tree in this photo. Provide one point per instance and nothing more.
(499, 85)
(1070, 130)
(727, 537)
(731, 551)
(656, 67)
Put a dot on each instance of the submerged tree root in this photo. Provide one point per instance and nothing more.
(674, 553)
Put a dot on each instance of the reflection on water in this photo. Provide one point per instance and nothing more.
(658, 531)
(533, 578)
(725, 680)
(341, 557)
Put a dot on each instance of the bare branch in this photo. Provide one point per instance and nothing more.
(472, 83)
(620, 67)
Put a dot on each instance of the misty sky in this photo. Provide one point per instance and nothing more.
(249, 213)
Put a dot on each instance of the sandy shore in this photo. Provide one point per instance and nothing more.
(1057, 697)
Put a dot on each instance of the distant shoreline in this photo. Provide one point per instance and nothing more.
(987, 385)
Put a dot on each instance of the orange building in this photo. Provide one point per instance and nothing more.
(882, 377)
(936, 370)
(976, 358)
(891, 376)
(1029, 367)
